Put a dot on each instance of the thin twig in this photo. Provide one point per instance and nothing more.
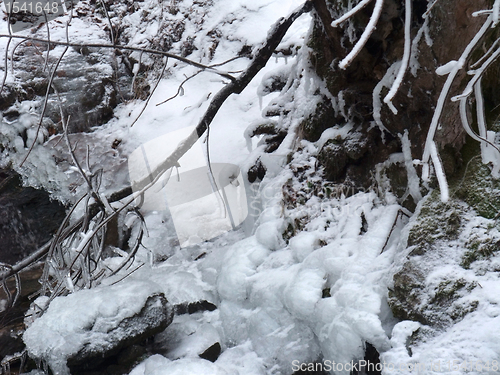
(180, 89)
(46, 100)
(152, 92)
(112, 34)
(127, 48)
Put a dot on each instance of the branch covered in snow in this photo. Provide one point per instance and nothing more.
(236, 86)
(120, 47)
(370, 28)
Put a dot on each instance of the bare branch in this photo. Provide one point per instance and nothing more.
(111, 33)
(127, 48)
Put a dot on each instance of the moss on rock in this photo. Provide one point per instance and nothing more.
(436, 221)
(479, 189)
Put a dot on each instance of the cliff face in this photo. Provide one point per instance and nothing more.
(438, 36)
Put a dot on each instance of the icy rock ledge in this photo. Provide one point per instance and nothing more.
(82, 329)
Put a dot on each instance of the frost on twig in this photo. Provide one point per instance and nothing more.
(377, 10)
(394, 79)
(404, 63)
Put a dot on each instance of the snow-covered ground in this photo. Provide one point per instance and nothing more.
(272, 315)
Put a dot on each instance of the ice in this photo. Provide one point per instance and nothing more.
(270, 234)
(187, 337)
(386, 81)
(240, 263)
(304, 291)
(84, 317)
(158, 365)
(242, 360)
(413, 179)
(303, 244)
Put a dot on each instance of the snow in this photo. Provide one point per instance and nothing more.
(83, 317)
(439, 170)
(386, 81)
(158, 365)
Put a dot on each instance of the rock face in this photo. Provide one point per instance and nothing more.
(421, 291)
(28, 218)
(83, 81)
(352, 89)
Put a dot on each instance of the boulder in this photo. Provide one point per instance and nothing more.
(80, 331)
(153, 318)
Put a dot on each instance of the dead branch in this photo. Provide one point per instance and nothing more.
(180, 89)
(120, 47)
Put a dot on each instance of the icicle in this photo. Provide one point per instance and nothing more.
(489, 151)
(481, 123)
(350, 13)
(477, 75)
(386, 80)
(69, 283)
(440, 175)
(466, 126)
(413, 181)
(377, 10)
(404, 63)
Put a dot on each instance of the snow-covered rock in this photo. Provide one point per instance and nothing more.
(445, 284)
(82, 328)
